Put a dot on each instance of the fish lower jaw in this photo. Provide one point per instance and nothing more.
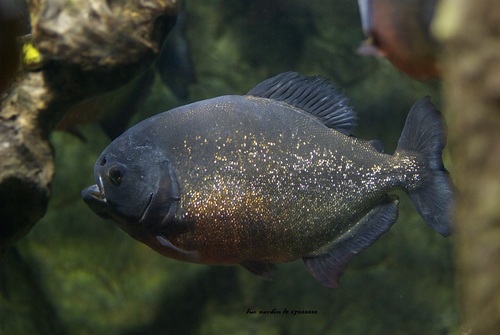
(94, 192)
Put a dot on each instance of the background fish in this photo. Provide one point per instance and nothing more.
(175, 64)
(269, 177)
(114, 110)
(399, 30)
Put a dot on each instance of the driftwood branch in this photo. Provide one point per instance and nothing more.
(471, 34)
(88, 47)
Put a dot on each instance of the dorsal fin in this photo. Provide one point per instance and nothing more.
(315, 95)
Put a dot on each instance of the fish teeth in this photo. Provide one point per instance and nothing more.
(100, 190)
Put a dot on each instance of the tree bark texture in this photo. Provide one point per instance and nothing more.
(470, 31)
(88, 47)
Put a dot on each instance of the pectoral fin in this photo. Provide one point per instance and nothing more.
(265, 270)
(191, 256)
(327, 267)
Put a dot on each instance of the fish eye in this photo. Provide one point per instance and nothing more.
(116, 174)
(103, 161)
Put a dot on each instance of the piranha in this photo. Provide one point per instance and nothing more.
(269, 177)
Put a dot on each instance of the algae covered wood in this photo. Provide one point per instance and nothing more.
(87, 48)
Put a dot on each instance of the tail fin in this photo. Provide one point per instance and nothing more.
(424, 133)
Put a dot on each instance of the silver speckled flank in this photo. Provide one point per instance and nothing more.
(258, 180)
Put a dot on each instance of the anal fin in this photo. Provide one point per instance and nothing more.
(265, 270)
(327, 267)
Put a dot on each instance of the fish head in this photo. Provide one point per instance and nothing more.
(135, 186)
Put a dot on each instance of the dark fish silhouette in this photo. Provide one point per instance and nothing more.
(175, 64)
(113, 110)
(269, 177)
(399, 30)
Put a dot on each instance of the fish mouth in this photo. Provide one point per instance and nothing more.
(95, 198)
